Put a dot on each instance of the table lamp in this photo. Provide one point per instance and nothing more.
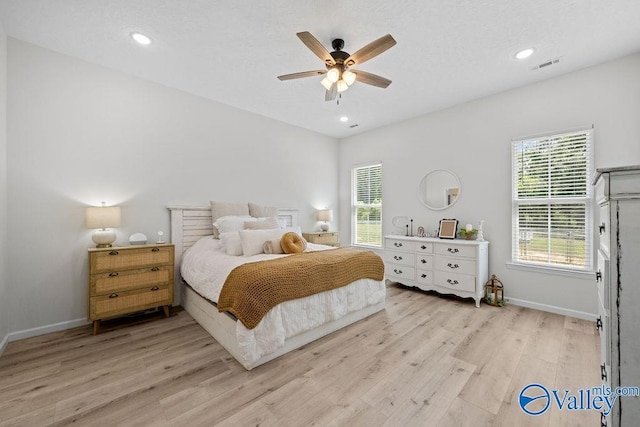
(325, 215)
(101, 218)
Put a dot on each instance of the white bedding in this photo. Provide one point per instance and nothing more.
(206, 265)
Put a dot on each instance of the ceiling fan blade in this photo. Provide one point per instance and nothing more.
(371, 79)
(302, 74)
(316, 47)
(331, 94)
(371, 50)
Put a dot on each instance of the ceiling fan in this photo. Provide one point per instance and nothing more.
(339, 75)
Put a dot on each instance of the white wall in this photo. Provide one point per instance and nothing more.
(4, 293)
(79, 134)
(473, 140)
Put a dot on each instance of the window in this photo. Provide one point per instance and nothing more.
(366, 201)
(551, 210)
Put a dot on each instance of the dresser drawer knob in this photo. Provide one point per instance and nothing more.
(603, 372)
(113, 253)
(424, 261)
(113, 296)
(603, 420)
(423, 247)
(155, 250)
(598, 276)
(601, 228)
(452, 282)
(155, 268)
(453, 250)
(599, 323)
(395, 270)
(155, 288)
(397, 258)
(113, 274)
(397, 245)
(453, 265)
(424, 276)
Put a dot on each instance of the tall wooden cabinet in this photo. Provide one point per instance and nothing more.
(617, 192)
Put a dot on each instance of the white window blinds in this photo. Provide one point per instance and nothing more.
(366, 212)
(551, 206)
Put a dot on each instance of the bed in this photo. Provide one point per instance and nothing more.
(191, 227)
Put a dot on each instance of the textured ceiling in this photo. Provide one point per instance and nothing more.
(448, 52)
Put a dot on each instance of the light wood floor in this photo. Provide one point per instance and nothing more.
(424, 361)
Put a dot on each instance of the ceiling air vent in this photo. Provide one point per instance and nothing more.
(546, 64)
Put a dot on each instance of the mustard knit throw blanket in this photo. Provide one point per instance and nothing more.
(252, 289)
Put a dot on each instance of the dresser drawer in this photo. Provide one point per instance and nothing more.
(424, 248)
(117, 303)
(325, 238)
(453, 250)
(130, 279)
(400, 272)
(402, 258)
(603, 227)
(122, 259)
(455, 265)
(602, 278)
(398, 244)
(424, 276)
(459, 282)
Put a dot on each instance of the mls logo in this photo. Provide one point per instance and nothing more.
(534, 399)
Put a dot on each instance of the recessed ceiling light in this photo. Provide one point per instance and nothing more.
(525, 53)
(344, 119)
(141, 38)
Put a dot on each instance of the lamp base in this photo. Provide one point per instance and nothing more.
(104, 238)
(324, 227)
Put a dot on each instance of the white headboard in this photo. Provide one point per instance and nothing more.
(190, 223)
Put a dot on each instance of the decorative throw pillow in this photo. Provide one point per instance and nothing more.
(253, 240)
(272, 247)
(261, 224)
(259, 211)
(228, 224)
(232, 243)
(220, 209)
(292, 243)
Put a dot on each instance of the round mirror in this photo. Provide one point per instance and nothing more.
(439, 189)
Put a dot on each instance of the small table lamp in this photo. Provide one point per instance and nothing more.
(325, 215)
(102, 218)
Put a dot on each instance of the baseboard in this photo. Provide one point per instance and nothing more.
(553, 309)
(3, 344)
(41, 330)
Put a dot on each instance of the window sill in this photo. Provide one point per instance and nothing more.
(557, 271)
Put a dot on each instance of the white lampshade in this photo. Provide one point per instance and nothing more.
(326, 83)
(325, 215)
(102, 218)
(349, 77)
(333, 74)
(342, 85)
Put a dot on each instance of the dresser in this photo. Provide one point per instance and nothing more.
(330, 238)
(617, 194)
(125, 280)
(459, 267)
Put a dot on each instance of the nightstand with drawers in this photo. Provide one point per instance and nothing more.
(329, 238)
(129, 279)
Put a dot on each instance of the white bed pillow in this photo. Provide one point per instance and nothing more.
(253, 240)
(232, 243)
(261, 224)
(220, 209)
(259, 211)
(231, 223)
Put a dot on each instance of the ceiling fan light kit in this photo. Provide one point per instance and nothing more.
(338, 76)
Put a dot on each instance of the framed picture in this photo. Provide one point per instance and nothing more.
(448, 228)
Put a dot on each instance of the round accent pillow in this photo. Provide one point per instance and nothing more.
(292, 243)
